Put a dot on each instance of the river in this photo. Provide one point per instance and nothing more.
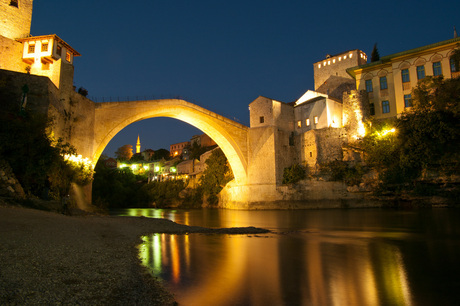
(312, 257)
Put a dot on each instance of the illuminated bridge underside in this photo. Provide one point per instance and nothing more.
(112, 117)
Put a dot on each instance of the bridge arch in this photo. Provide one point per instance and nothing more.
(230, 136)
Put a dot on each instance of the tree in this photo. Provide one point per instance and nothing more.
(426, 138)
(124, 152)
(36, 159)
(217, 174)
(82, 91)
(375, 56)
(161, 153)
(294, 174)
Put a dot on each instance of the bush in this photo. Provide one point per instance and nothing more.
(341, 171)
(293, 174)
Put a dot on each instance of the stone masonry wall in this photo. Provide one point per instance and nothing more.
(11, 55)
(355, 109)
(15, 21)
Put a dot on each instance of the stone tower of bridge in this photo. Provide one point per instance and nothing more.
(15, 18)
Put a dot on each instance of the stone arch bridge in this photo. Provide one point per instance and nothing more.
(112, 117)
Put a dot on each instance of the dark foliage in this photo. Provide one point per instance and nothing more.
(161, 154)
(294, 174)
(117, 188)
(38, 165)
(216, 176)
(375, 56)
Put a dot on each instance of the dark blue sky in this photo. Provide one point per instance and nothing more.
(224, 54)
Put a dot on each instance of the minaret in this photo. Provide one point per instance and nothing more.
(138, 145)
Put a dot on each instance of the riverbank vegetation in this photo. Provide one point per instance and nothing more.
(416, 154)
(45, 167)
(120, 188)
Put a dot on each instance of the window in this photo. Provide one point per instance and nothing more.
(14, 3)
(372, 109)
(437, 70)
(407, 100)
(405, 75)
(31, 49)
(58, 50)
(383, 83)
(453, 65)
(307, 122)
(311, 154)
(315, 119)
(261, 119)
(420, 72)
(67, 57)
(44, 47)
(299, 123)
(369, 86)
(385, 107)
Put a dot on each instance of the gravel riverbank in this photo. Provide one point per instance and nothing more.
(49, 258)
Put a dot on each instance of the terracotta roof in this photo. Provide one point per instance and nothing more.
(54, 36)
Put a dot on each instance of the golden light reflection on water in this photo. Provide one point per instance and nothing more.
(318, 267)
(258, 270)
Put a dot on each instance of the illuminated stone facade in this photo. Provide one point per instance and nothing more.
(336, 65)
(390, 80)
(15, 18)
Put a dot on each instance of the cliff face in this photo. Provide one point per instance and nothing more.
(9, 185)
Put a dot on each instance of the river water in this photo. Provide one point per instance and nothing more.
(312, 257)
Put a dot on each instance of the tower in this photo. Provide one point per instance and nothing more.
(15, 18)
(138, 145)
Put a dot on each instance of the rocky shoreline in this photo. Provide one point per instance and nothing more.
(50, 258)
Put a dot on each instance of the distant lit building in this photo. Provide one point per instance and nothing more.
(177, 148)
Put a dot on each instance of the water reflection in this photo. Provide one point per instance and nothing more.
(312, 258)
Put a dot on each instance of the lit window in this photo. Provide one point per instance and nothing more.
(420, 72)
(369, 86)
(67, 56)
(44, 47)
(319, 65)
(361, 55)
(324, 64)
(405, 75)
(315, 119)
(340, 58)
(351, 55)
(333, 61)
(407, 100)
(385, 107)
(344, 57)
(383, 83)
(14, 3)
(299, 123)
(307, 122)
(31, 49)
(437, 69)
(261, 119)
(328, 62)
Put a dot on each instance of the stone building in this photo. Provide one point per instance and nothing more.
(336, 66)
(176, 149)
(389, 81)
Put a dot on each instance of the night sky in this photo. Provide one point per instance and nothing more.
(224, 54)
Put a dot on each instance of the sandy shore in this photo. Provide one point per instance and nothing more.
(49, 258)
